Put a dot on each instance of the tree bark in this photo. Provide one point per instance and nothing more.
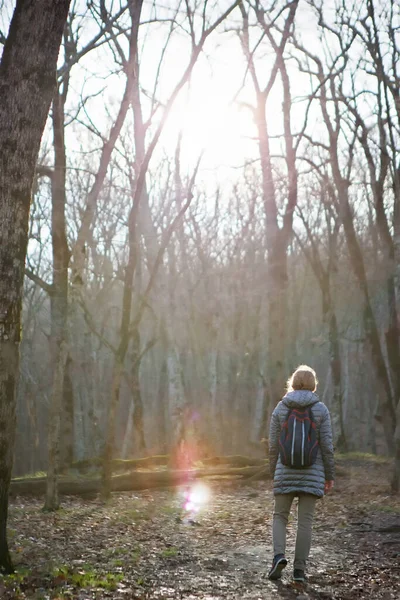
(162, 392)
(138, 425)
(396, 243)
(387, 411)
(27, 84)
(396, 471)
(330, 319)
(110, 431)
(278, 236)
(59, 296)
(67, 421)
(52, 498)
(134, 439)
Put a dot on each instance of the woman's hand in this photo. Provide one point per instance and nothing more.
(329, 485)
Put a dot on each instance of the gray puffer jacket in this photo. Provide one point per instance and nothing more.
(310, 480)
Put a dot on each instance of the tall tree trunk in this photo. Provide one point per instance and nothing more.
(329, 317)
(119, 357)
(134, 434)
(110, 431)
(162, 395)
(278, 236)
(127, 444)
(52, 498)
(214, 416)
(67, 421)
(176, 391)
(59, 296)
(176, 394)
(387, 404)
(262, 406)
(162, 403)
(137, 417)
(396, 243)
(386, 407)
(278, 239)
(396, 473)
(277, 310)
(27, 83)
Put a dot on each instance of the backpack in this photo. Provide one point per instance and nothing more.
(298, 442)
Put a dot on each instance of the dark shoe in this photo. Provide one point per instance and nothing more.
(299, 575)
(278, 564)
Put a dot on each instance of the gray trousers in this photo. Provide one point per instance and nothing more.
(283, 503)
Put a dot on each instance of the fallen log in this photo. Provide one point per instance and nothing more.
(120, 464)
(162, 460)
(236, 460)
(137, 480)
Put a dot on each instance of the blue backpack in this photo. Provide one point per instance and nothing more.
(298, 442)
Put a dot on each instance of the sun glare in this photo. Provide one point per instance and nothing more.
(196, 497)
(214, 126)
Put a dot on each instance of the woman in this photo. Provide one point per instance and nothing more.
(314, 471)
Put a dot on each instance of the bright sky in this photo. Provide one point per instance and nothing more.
(210, 113)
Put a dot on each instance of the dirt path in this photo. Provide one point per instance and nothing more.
(137, 546)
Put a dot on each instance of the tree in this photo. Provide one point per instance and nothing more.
(324, 264)
(61, 399)
(279, 229)
(27, 83)
(377, 34)
(344, 133)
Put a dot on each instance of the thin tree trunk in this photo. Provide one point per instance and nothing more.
(111, 418)
(278, 237)
(176, 395)
(134, 433)
(215, 403)
(386, 413)
(396, 472)
(387, 404)
(59, 296)
(162, 401)
(80, 445)
(396, 244)
(162, 395)
(27, 83)
(52, 498)
(138, 425)
(67, 422)
(176, 392)
(119, 357)
(127, 443)
(336, 370)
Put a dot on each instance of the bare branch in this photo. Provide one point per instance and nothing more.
(47, 287)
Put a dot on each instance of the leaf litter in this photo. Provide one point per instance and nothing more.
(144, 545)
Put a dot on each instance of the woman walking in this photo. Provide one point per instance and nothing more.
(301, 464)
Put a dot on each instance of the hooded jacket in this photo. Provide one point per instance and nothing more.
(310, 480)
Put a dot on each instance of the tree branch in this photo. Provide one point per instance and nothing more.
(47, 287)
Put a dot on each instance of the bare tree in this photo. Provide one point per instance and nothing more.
(27, 82)
(377, 34)
(331, 91)
(61, 400)
(278, 229)
(61, 251)
(324, 262)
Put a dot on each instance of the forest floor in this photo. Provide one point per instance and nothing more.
(138, 546)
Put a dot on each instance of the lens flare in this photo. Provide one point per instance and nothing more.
(199, 494)
(195, 498)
